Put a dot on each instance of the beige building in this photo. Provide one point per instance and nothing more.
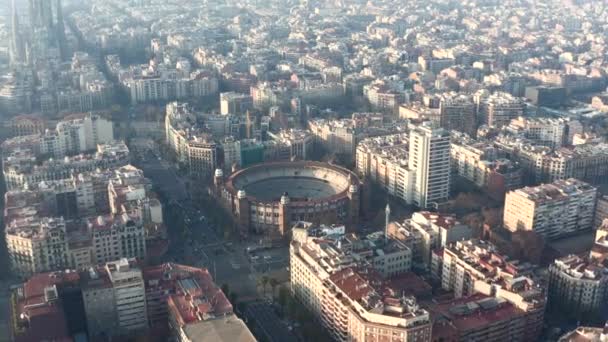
(484, 165)
(346, 294)
(117, 236)
(552, 210)
(37, 245)
(384, 161)
(192, 146)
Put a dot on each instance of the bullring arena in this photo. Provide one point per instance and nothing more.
(270, 198)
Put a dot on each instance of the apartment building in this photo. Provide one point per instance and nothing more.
(114, 297)
(587, 162)
(235, 103)
(117, 236)
(193, 146)
(471, 268)
(426, 232)
(384, 161)
(542, 131)
(119, 300)
(458, 112)
(20, 165)
(498, 109)
(554, 210)
(601, 210)
(342, 136)
(299, 142)
(37, 245)
(197, 309)
(129, 217)
(414, 167)
(484, 165)
(578, 285)
(345, 293)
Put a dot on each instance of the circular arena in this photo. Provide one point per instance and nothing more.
(270, 198)
(301, 181)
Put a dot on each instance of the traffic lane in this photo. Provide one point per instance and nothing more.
(269, 324)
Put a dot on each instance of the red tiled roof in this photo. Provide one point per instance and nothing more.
(47, 320)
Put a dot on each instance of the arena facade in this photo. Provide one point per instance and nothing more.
(270, 198)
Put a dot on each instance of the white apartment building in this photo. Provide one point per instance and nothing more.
(414, 167)
(426, 232)
(299, 142)
(345, 295)
(20, 166)
(77, 134)
(235, 103)
(129, 295)
(384, 160)
(554, 210)
(543, 131)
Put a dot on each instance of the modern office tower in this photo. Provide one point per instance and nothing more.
(347, 296)
(457, 112)
(578, 285)
(554, 210)
(498, 109)
(235, 103)
(429, 158)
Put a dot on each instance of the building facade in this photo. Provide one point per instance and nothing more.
(552, 210)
